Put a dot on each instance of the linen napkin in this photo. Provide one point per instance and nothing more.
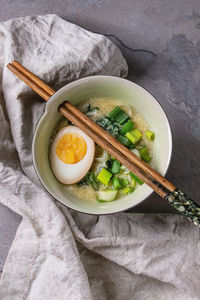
(58, 253)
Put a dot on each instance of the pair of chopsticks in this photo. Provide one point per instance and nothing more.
(157, 182)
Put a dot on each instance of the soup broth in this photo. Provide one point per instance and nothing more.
(97, 108)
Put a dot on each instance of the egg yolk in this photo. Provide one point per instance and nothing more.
(71, 148)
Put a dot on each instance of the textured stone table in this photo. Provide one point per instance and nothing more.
(163, 51)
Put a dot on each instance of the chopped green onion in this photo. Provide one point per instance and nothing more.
(124, 140)
(116, 183)
(127, 127)
(150, 135)
(133, 182)
(104, 176)
(137, 179)
(115, 168)
(118, 115)
(144, 154)
(121, 117)
(114, 112)
(124, 182)
(107, 195)
(90, 177)
(128, 190)
(134, 135)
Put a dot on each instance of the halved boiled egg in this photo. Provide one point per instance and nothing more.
(71, 155)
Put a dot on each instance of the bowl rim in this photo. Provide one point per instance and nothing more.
(74, 84)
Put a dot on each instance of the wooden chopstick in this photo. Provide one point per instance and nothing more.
(34, 78)
(181, 202)
(31, 80)
(130, 155)
(110, 149)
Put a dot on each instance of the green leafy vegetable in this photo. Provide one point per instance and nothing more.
(111, 128)
(104, 122)
(90, 177)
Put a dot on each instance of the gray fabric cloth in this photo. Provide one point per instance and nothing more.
(62, 254)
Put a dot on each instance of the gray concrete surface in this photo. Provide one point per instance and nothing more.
(9, 222)
(165, 59)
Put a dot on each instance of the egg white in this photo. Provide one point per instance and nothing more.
(71, 173)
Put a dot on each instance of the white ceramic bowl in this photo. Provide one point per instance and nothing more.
(101, 86)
